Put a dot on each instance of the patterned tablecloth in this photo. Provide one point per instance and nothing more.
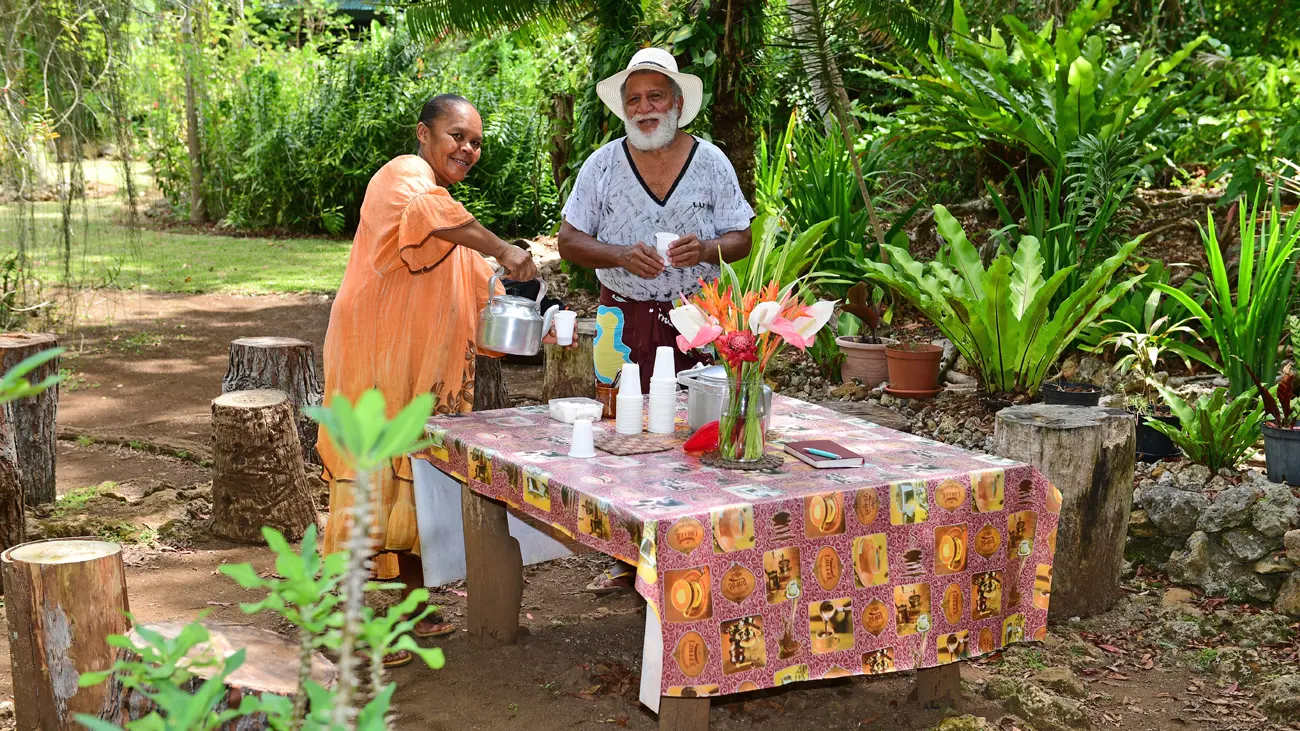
(926, 555)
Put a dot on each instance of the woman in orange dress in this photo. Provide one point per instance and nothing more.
(405, 317)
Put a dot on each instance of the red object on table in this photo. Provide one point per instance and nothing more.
(703, 440)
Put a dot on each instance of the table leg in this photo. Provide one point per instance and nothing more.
(683, 714)
(938, 686)
(493, 572)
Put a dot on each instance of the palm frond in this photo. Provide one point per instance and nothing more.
(437, 18)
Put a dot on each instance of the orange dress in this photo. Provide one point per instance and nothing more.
(404, 322)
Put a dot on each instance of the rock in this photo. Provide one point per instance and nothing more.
(1140, 525)
(999, 687)
(1063, 681)
(964, 723)
(1254, 630)
(1175, 596)
(1288, 596)
(6, 710)
(1276, 563)
(1246, 545)
(1092, 370)
(957, 378)
(1180, 632)
(1277, 511)
(1236, 663)
(1291, 540)
(1205, 564)
(1281, 697)
(1174, 511)
(1044, 711)
(1193, 477)
(1230, 509)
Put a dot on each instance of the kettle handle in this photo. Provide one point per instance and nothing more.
(550, 314)
(541, 291)
(492, 287)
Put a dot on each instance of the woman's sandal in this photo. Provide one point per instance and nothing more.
(433, 628)
(608, 583)
(398, 659)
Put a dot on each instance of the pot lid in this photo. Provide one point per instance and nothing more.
(514, 301)
(713, 374)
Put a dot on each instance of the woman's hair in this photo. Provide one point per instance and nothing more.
(439, 106)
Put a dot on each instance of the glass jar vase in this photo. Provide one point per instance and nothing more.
(742, 426)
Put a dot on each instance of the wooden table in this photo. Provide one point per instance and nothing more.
(758, 579)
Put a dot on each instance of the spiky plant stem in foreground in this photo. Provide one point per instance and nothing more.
(357, 546)
(304, 674)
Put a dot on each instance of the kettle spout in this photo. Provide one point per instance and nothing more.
(546, 319)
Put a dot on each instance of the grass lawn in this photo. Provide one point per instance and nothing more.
(104, 254)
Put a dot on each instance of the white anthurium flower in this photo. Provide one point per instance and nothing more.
(696, 328)
(761, 317)
(801, 331)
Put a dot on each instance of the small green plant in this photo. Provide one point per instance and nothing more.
(1206, 660)
(14, 384)
(322, 596)
(74, 381)
(76, 498)
(84, 440)
(1142, 351)
(1246, 324)
(1215, 431)
(1000, 318)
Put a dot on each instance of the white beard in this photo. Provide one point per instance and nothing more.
(663, 135)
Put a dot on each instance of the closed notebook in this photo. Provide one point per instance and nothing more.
(844, 457)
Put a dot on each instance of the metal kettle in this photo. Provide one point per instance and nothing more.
(514, 325)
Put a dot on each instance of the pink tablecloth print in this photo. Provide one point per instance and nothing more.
(926, 555)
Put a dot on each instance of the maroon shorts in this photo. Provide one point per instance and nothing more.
(639, 327)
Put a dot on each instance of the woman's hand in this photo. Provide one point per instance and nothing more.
(518, 263)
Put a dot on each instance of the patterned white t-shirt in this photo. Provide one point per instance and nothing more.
(611, 202)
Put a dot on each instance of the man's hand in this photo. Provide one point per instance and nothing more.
(518, 263)
(686, 251)
(642, 260)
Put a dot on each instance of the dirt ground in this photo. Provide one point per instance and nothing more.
(145, 367)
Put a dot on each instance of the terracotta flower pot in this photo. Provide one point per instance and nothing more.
(913, 370)
(864, 361)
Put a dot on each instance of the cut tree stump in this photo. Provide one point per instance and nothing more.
(270, 668)
(570, 371)
(285, 364)
(490, 390)
(33, 418)
(257, 475)
(13, 514)
(1088, 454)
(63, 598)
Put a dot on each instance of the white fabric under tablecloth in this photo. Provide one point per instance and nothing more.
(442, 532)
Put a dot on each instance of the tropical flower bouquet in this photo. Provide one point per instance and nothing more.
(746, 329)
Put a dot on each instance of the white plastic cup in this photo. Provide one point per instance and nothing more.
(630, 412)
(564, 322)
(663, 385)
(662, 242)
(630, 382)
(665, 363)
(582, 445)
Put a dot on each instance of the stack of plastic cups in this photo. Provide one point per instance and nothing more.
(663, 392)
(628, 418)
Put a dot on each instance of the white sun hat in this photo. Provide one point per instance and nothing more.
(654, 59)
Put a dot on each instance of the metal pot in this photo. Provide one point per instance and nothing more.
(514, 325)
(705, 389)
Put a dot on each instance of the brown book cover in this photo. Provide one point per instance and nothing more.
(847, 457)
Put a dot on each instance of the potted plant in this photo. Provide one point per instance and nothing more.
(864, 355)
(1281, 437)
(913, 369)
(1143, 352)
(1069, 393)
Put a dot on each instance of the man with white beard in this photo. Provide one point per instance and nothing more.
(656, 179)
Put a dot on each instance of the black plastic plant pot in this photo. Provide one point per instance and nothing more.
(1066, 393)
(1282, 454)
(1152, 446)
